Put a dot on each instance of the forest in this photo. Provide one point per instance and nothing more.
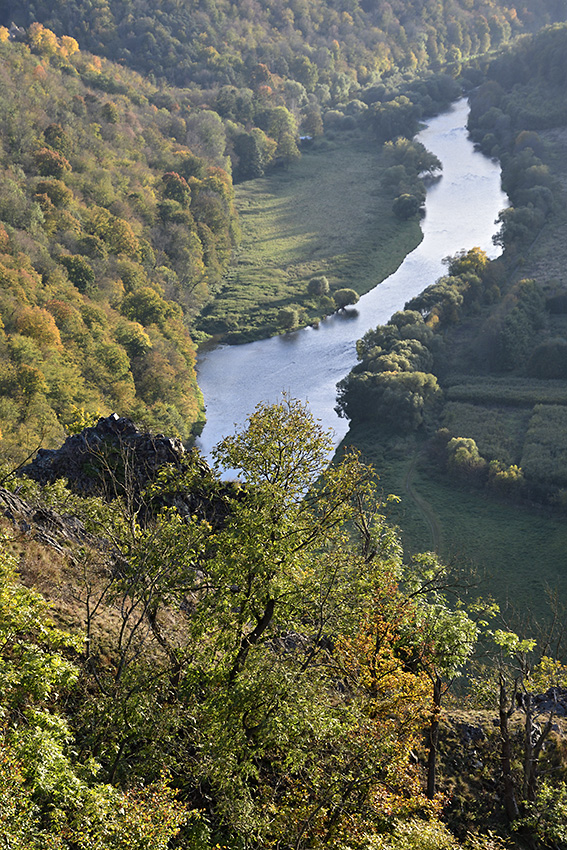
(263, 662)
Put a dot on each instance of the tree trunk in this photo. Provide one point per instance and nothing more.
(532, 778)
(249, 640)
(433, 739)
(510, 804)
(529, 766)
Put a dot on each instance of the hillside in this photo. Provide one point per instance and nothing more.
(326, 48)
(255, 664)
(112, 233)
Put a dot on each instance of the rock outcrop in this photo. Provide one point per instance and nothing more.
(115, 458)
(102, 459)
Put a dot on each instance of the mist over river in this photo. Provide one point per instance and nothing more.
(461, 209)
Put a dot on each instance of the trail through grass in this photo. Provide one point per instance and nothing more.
(423, 506)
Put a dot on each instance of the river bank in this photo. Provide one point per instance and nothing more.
(324, 215)
(461, 209)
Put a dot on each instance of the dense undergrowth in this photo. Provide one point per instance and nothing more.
(259, 666)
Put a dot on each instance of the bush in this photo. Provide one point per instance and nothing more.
(288, 318)
(344, 297)
(506, 480)
(464, 458)
(318, 285)
(407, 206)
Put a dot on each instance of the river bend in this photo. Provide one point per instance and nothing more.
(461, 209)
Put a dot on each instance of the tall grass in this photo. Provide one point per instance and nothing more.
(498, 432)
(508, 390)
(545, 449)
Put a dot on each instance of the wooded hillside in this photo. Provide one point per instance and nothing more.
(112, 233)
(255, 664)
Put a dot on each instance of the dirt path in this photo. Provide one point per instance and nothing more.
(423, 506)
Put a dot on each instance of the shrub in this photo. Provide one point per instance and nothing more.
(318, 285)
(288, 318)
(464, 458)
(407, 206)
(507, 480)
(344, 297)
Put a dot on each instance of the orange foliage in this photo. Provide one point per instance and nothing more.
(51, 163)
(61, 311)
(38, 324)
(40, 73)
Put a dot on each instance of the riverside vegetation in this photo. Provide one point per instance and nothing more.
(476, 360)
(259, 665)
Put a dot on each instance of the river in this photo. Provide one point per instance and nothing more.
(461, 209)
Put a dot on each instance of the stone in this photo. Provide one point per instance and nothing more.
(106, 457)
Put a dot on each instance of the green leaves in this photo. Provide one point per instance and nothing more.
(282, 446)
(511, 643)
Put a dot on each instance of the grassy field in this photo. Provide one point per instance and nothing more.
(545, 448)
(325, 215)
(498, 432)
(517, 553)
(510, 390)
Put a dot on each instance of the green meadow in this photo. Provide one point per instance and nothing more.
(516, 554)
(324, 215)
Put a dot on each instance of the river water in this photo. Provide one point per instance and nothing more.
(461, 209)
